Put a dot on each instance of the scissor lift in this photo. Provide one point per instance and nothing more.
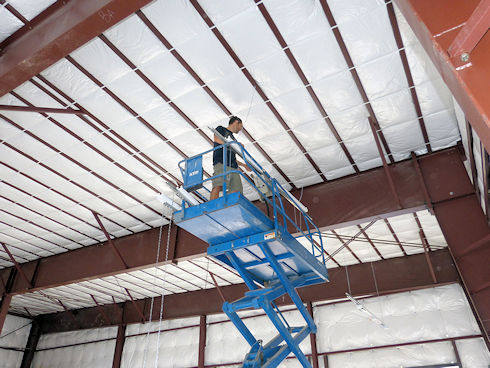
(271, 261)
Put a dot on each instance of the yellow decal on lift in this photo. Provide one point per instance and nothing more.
(270, 235)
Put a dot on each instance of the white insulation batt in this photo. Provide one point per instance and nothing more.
(13, 340)
(177, 344)
(85, 348)
(418, 316)
(71, 145)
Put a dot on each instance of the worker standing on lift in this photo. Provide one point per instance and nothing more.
(233, 180)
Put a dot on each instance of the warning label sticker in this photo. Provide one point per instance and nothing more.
(270, 235)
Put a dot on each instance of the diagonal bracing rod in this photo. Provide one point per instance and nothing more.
(109, 240)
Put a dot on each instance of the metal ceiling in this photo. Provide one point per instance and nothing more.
(326, 90)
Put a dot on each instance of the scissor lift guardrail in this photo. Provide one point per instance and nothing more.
(271, 261)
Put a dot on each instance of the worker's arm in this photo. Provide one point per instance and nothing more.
(244, 166)
(217, 140)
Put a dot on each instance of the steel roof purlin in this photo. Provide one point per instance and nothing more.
(304, 80)
(80, 20)
(254, 83)
(408, 73)
(206, 88)
(105, 130)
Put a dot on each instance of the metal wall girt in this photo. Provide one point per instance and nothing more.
(436, 24)
(386, 276)
(350, 200)
(66, 29)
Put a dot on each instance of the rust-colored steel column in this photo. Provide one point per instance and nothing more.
(202, 341)
(314, 352)
(4, 308)
(62, 32)
(31, 345)
(437, 24)
(463, 223)
(121, 338)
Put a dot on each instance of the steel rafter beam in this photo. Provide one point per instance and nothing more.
(304, 80)
(408, 73)
(256, 85)
(51, 110)
(391, 275)
(206, 88)
(101, 127)
(62, 32)
(467, 80)
(351, 200)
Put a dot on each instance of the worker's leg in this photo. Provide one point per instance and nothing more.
(235, 182)
(215, 193)
(217, 182)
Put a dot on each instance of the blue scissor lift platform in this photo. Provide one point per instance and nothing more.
(271, 261)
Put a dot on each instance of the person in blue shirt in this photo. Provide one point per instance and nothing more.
(233, 180)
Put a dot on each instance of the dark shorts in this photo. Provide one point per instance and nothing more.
(233, 180)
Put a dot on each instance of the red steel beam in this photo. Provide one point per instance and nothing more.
(102, 311)
(102, 128)
(387, 222)
(28, 25)
(428, 202)
(472, 32)
(404, 344)
(109, 240)
(471, 154)
(437, 30)
(355, 199)
(383, 160)
(305, 81)
(314, 352)
(17, 266)
(206, 88)
(392, 275)
(463, 223)
(136, 306)
(345, 52)
(4, 308)
(118, 350)
(426, 252)
(62, 32)
(218, 287)
(408, 73)
(40, 109)
(202, 341)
